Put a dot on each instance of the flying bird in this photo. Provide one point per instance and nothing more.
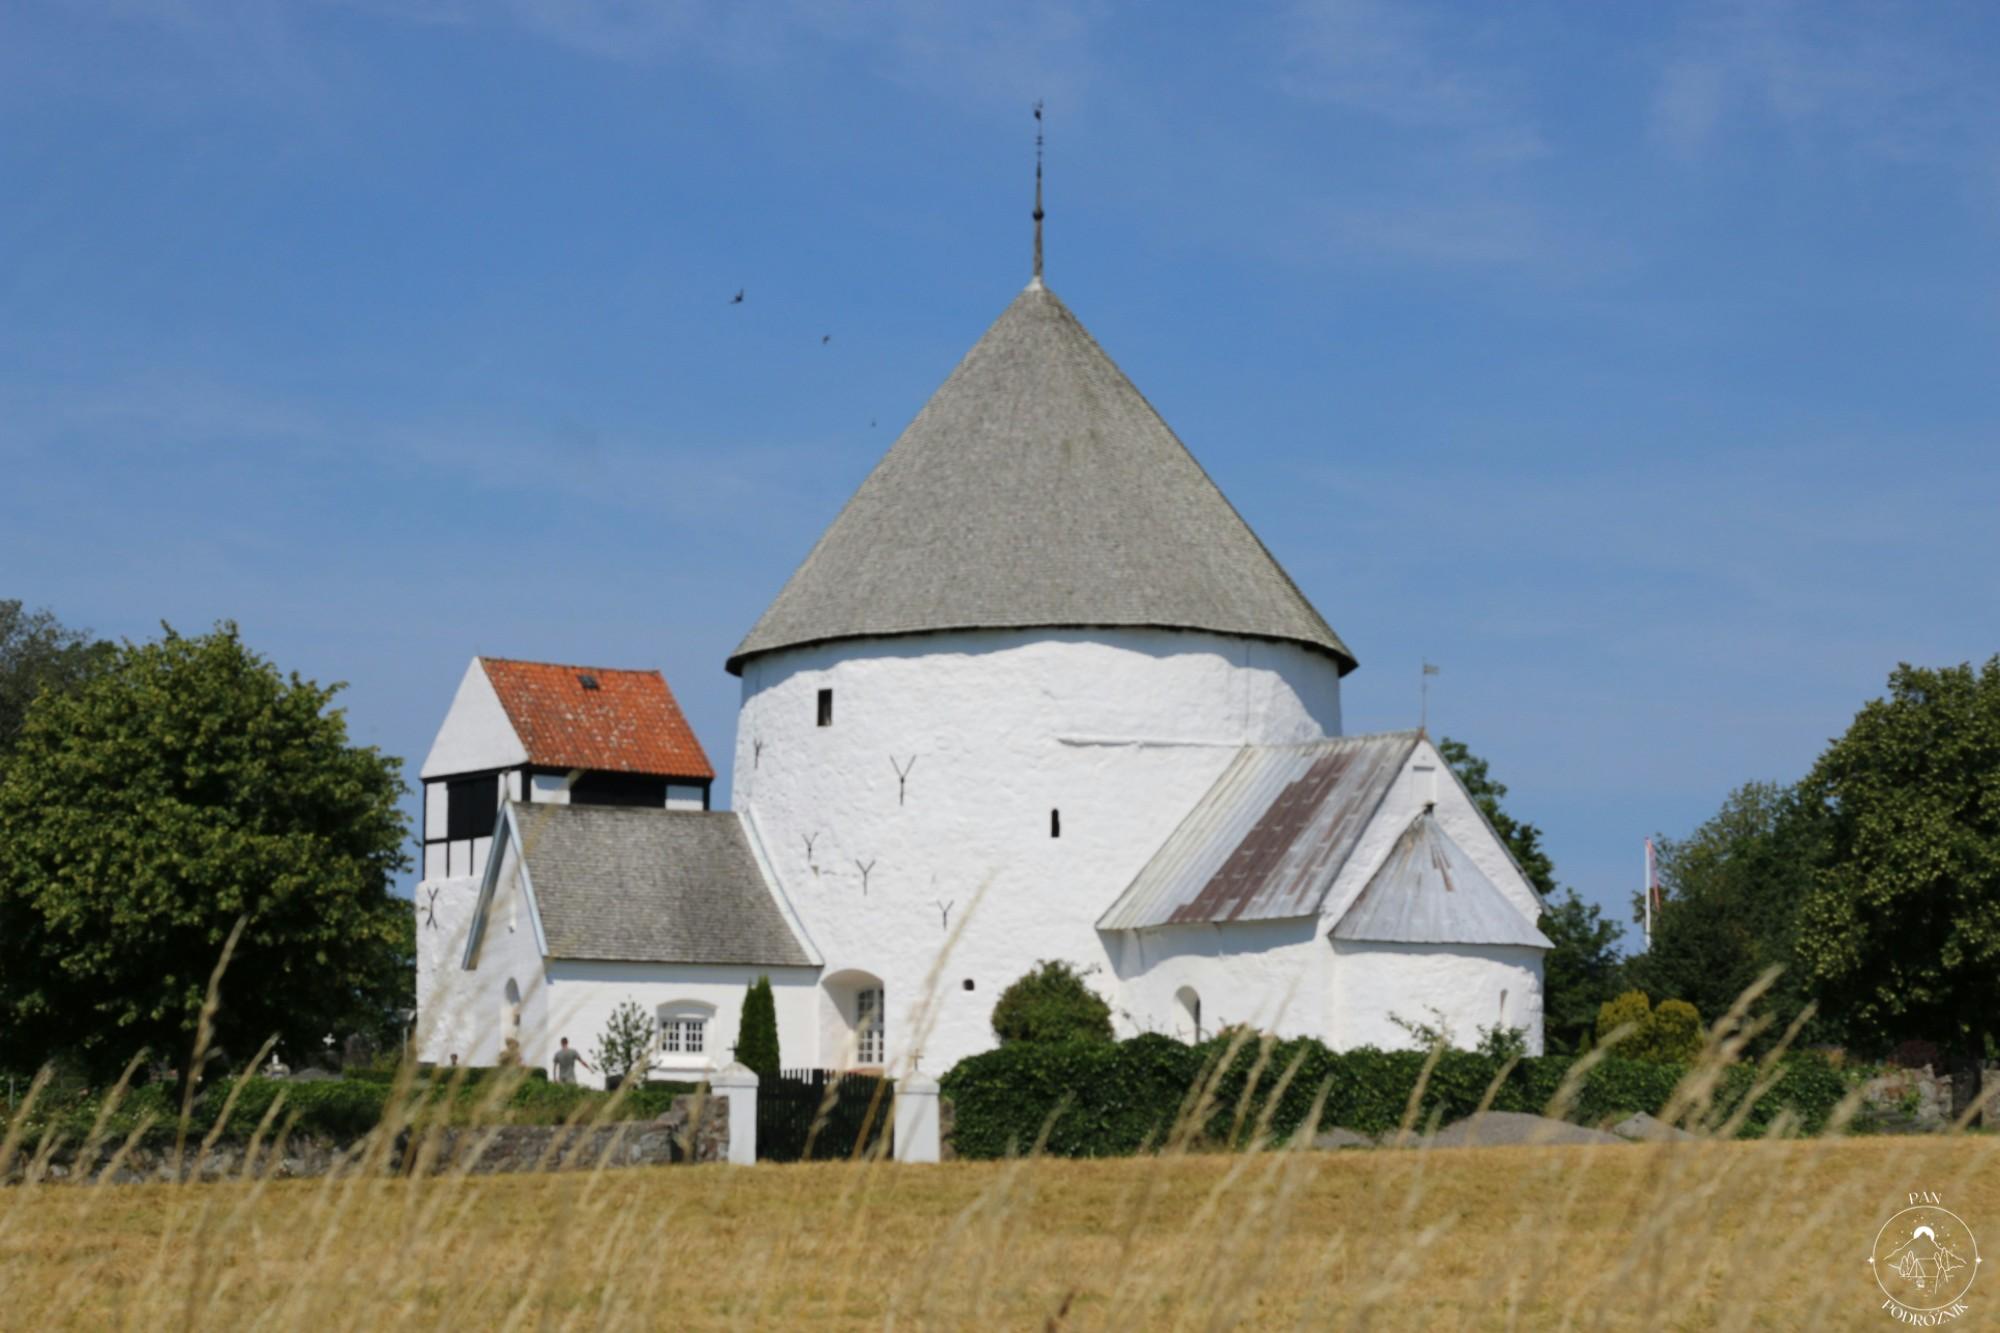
(825, 338)
(738, 298)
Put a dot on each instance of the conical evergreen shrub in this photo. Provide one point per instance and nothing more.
(757, 1034)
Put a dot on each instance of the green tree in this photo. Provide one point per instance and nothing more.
(1523, 840)
(1901, 927)
(757, 1031)
(187, 785)
(1730, 896)
(1052, 1003)
(1584, 969)
(1580, 973)
(626, 1048)
(38, 653)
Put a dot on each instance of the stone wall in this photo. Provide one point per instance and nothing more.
(492, 1151)
(1919, 1101)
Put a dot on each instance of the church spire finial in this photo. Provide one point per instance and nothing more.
(1038, 189)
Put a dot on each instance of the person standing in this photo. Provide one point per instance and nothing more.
(566, 1062)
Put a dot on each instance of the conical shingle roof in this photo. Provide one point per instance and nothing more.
(1037, 488)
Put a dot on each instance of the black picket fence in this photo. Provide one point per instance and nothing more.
(821, 1115)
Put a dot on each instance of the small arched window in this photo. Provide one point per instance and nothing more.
(510, 1012)
(1189, 1001)
(870, 1037)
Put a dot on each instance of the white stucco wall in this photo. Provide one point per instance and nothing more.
(1273, 975)
(462, 1011)
(581, 996)
(1119, 730)
(444, 1018)
(1468, 986)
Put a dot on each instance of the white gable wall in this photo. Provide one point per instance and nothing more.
(1425, 778)
(476, 735)
(1120, 730)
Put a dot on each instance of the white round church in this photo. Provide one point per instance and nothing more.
(1039, 693)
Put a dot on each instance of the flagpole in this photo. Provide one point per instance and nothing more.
(1648, 890)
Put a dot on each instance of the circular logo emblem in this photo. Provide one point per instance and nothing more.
(1925, 1258)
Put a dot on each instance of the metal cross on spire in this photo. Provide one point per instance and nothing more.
(1038, 189)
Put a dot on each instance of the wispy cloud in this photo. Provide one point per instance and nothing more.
(965, 53)
(1455, 187)
(1388, 62)
(1885, 79)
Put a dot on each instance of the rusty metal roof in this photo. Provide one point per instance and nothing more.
(1428, 891)
(1269, 838)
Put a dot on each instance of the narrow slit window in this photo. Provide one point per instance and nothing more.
(1055, 823)
(826, 708)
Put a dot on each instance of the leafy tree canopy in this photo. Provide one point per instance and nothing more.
(1730, 894)
(1580, 973)
(38, 653)
(144, 812)
(1052, 1003)
(1900, 929)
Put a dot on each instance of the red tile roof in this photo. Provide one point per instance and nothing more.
(628, 724)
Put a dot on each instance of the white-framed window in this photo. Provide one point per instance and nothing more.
(869, 1044)
(684, 1030)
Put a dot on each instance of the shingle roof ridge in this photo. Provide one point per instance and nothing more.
(573, 666)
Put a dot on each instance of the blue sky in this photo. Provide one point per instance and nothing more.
(1636, 364)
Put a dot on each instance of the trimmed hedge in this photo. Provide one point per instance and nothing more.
(340, 1109)
(1098, 1099)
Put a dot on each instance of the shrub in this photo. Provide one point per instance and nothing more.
(757, 1032)
(1670, 1034)
(1053, 1003)
(1675, 1036)
(1633, 1010)
(626, 1048)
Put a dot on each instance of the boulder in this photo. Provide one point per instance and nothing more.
(1506, 1128)
(1643, 1128)
(1328, 1140)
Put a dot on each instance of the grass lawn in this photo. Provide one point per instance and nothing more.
(1702, 1235)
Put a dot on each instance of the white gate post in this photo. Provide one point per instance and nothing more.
(736, 1085)
(916, 1118)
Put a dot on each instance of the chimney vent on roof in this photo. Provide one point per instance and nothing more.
(585, 679)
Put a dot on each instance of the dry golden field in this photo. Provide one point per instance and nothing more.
(1698, 1235)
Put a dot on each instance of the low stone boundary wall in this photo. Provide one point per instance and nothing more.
(495, 1150)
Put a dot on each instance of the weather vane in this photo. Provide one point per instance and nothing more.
(1424, 704)
(1038, 189)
